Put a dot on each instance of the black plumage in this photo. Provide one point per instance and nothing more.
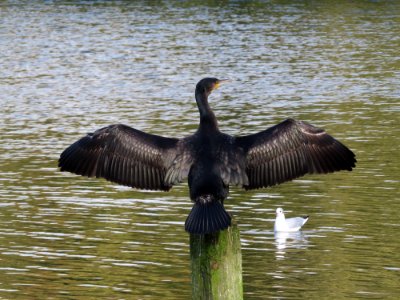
(210, 159)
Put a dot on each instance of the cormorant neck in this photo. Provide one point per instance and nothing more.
(207, 117)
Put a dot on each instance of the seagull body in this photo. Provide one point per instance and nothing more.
(288, 225)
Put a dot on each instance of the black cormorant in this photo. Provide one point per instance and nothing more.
(210, 159)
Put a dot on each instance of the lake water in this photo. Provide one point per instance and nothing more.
(70, 67)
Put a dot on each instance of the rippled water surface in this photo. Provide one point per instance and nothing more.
(68, 68)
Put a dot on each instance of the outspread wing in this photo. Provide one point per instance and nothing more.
(289, 150)
(127, 156)
(231, 164)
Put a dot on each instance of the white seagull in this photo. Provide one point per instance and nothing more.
(288, 225)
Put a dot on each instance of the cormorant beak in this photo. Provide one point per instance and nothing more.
(219, 82)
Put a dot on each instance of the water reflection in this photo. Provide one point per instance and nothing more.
(289, 240)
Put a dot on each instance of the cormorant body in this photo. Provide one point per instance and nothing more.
(210, 159)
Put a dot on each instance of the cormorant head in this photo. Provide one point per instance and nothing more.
(207, 85)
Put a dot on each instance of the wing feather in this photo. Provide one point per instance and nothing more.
(289, 150)
(129, 157)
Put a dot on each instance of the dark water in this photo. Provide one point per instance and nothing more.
(68, 68)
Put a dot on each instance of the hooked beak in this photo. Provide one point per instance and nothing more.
(221, 81)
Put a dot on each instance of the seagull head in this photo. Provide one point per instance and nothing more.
(279, 212)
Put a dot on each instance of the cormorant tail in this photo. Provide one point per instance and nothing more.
(207, 217)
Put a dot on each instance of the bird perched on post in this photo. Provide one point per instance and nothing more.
(210, 159)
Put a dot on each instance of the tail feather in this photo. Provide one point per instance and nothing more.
(206, 218)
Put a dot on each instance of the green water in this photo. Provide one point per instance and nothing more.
(69, 67)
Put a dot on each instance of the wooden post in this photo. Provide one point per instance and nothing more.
(217, 265)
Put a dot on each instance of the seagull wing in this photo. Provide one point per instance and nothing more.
(296, 222)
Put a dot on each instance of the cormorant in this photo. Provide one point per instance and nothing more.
(210, 159)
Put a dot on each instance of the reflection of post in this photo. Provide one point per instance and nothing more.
(217, 265)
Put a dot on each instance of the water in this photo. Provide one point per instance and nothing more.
(68, 68)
